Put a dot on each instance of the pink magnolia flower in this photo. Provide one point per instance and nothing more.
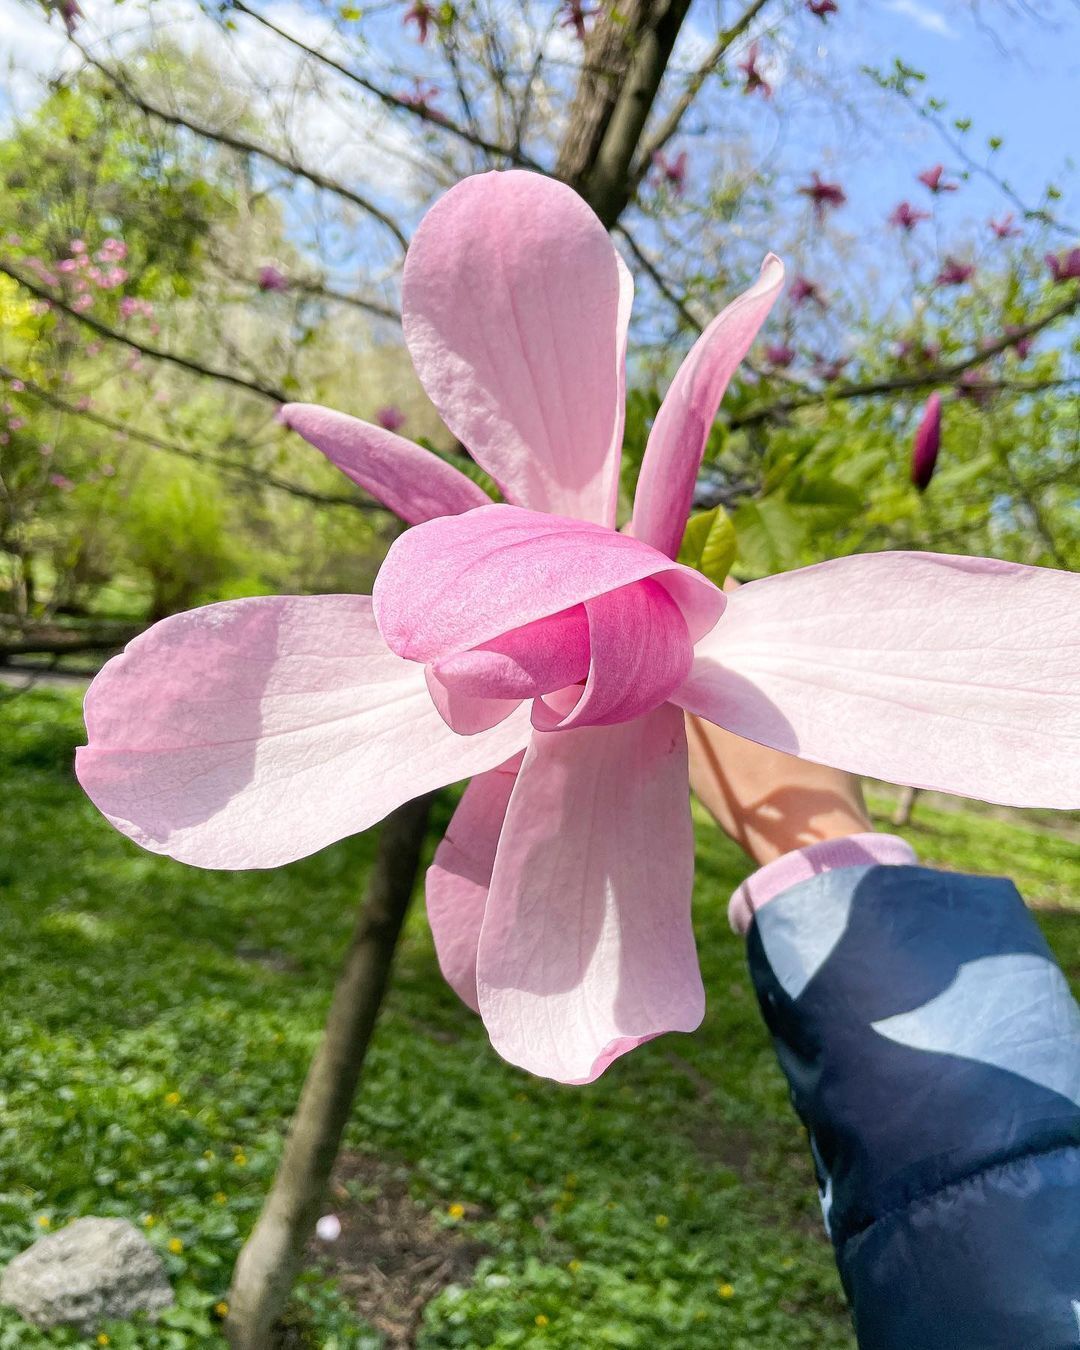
(533, 645)
(1022, 342)
(779, 355)
(954, 273)
(672, 171)
(905, 216)
(1064, 266)
(829, 368)
(71, 13)
(823, 8)
(802, 290)
(755, 80)
(272, 278)
(1005, 228)
(390, 418)
(924, 452)
(822, 194)
(421, 97)
(421, 14)
(934, 180)
(972, 385)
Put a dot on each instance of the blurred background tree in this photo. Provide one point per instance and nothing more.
(205, 210)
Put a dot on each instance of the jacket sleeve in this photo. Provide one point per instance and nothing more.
(932, 1046)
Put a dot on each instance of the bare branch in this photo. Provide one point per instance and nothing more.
(146, 348)
(244, 146)
(433, 119)
(673, 120)
(247, 471)
(945, 373)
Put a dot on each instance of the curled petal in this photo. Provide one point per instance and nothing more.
(456, 583)
(408, 480)
(456, 886)
(250, 733)
(665, 489)
(544, 655)
(515, 311)
(640, 654)
(586, 948)
(960, 674)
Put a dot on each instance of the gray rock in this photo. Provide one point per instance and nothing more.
(92, 1270)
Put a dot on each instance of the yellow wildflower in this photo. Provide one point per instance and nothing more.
(573, 1266)
(220, 1198)
(172, 1098)
(175, 1246)
(222, 1308)
(541, 1320)
(44, 1221)
(240, 1159)
(149, 1221)
(662, 1221)
(102, 1339)
(456, 1211)
(726, 1291)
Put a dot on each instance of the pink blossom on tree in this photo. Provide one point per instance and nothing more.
(574, 15)
(823, 195)
(924, 451)
(1022, 344)
(421, 14)
(1064, 266)
(822, 8)
(954, 272)
(390, 418)
(1005, 228)
(802, 290)
(934, 180)
(672, 171)
(532, 644)
(779, 355)
(755, 81)
(905, 216)
(271, 278)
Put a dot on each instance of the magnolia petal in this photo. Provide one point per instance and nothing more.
(467, 714)
(586, 948)
(641, 653)
(452, 584)
(959, 674)
(456, 886)
(542, 656)
(250, 733)
(515, 312)
(407, 479)
(665, 490)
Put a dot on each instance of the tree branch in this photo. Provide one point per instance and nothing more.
(146, 348)
(672, 121)
(247, 471)
(945, 373)
(243, 146)
(433, 119)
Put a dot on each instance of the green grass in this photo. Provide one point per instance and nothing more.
(155, 1026)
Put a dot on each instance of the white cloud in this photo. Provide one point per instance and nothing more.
(926, 16)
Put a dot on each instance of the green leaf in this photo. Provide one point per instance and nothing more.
(709, 544)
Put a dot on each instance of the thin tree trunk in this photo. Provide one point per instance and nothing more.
(905, 804)
(272, 1255)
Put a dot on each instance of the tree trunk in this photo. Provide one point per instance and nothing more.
(905, 804)
(626, 56)
(272, 1255)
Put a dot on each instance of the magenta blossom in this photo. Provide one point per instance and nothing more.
(905, 216)
(421, 97)
(829, 368)
(954, 273)
(822, 194)
(934, 180)
(1064, 266)
(803, 290)
(779, 355)
(71, 13)
(534, 645)
(1005, 228)
(672, 171)
(272, 278)
(924, 452)
(822, 8)
(421, 14)
(1022, 342)
(574, 14)
(390, 418)
(755, 80)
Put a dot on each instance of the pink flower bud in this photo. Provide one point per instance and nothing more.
(927, 443)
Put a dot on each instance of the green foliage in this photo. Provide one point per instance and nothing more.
(156, 1025)
(709, 544)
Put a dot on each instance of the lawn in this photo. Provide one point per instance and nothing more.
(157, 1021)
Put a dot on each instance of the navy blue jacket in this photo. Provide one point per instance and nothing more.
(932, 1046)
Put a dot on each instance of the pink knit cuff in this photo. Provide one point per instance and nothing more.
(854, 850)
